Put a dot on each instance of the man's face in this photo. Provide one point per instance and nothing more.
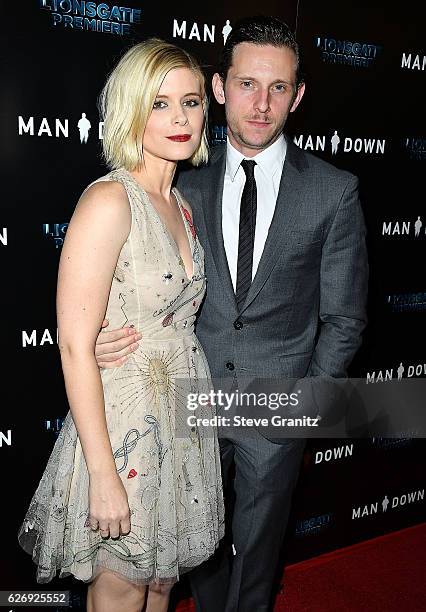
(259, 92)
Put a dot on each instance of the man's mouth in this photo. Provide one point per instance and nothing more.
(256, 123)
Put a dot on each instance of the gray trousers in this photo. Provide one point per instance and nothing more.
(265, 476)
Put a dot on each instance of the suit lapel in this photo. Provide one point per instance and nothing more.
(290, 195)
(213, 193)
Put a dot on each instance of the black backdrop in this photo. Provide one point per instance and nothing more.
(365, 68)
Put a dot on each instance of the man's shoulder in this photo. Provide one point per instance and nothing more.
(320, 168)
(191, 177)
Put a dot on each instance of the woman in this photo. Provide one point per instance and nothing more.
(131, 497)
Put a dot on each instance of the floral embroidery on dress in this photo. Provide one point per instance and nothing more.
(190, 223)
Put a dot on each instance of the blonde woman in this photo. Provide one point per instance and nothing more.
(131, 497)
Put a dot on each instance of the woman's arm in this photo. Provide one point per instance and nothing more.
(97, 231)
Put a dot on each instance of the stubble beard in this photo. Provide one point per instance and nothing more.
(244, 140)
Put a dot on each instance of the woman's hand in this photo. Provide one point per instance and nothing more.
(108, 505)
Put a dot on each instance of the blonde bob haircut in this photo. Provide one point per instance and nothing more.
(128, 96)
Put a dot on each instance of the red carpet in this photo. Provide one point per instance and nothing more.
(387, 574)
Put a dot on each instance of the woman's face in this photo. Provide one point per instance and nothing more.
(174, 128)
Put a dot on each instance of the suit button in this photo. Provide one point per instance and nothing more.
(238, 324)
(230, 365)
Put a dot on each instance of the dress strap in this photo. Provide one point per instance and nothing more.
(186, 213)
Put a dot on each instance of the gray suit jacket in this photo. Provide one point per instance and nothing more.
(305, 309)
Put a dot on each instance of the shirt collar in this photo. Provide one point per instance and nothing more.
(269, 161)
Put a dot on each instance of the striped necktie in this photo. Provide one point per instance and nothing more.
(246, 233)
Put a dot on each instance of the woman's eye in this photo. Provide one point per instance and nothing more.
(158, 104)
(191, 103)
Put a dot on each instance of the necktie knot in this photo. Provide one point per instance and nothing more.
(248, 167)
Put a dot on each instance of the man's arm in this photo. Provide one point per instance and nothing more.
(343, 288)
(113, 347)
(342, 312)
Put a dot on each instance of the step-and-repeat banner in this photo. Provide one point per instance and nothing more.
(363, 111)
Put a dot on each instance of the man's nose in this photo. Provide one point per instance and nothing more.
(262, 101)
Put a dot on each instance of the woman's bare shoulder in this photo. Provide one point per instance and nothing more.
(105, 190)
(103, 204)
(106, 196)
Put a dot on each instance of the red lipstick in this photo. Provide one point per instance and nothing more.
(180, 137)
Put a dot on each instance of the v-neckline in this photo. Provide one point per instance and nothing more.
(169, 237)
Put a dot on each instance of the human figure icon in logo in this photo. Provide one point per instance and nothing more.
(400, 371)
(84, 126)
(335, 141)
(418, 226)
(227, 29)
(385, 503)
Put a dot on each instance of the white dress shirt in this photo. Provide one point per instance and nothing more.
(267, 172)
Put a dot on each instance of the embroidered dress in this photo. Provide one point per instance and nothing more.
(170, 467)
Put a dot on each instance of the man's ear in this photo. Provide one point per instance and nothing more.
(218, 90)
(298, 97)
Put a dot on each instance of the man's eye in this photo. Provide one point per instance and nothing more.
(191, 103)
(158, 104)
(246, 84)
(280, 87)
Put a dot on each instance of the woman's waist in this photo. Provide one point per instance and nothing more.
(148, 336)
(166, 328)
(171, 355)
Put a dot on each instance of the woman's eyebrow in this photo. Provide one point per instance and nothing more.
(187, 94)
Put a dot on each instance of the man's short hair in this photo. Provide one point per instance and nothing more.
(260, 30)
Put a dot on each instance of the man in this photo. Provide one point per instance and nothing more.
(287, 276)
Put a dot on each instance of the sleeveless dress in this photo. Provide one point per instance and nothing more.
(170, 467)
